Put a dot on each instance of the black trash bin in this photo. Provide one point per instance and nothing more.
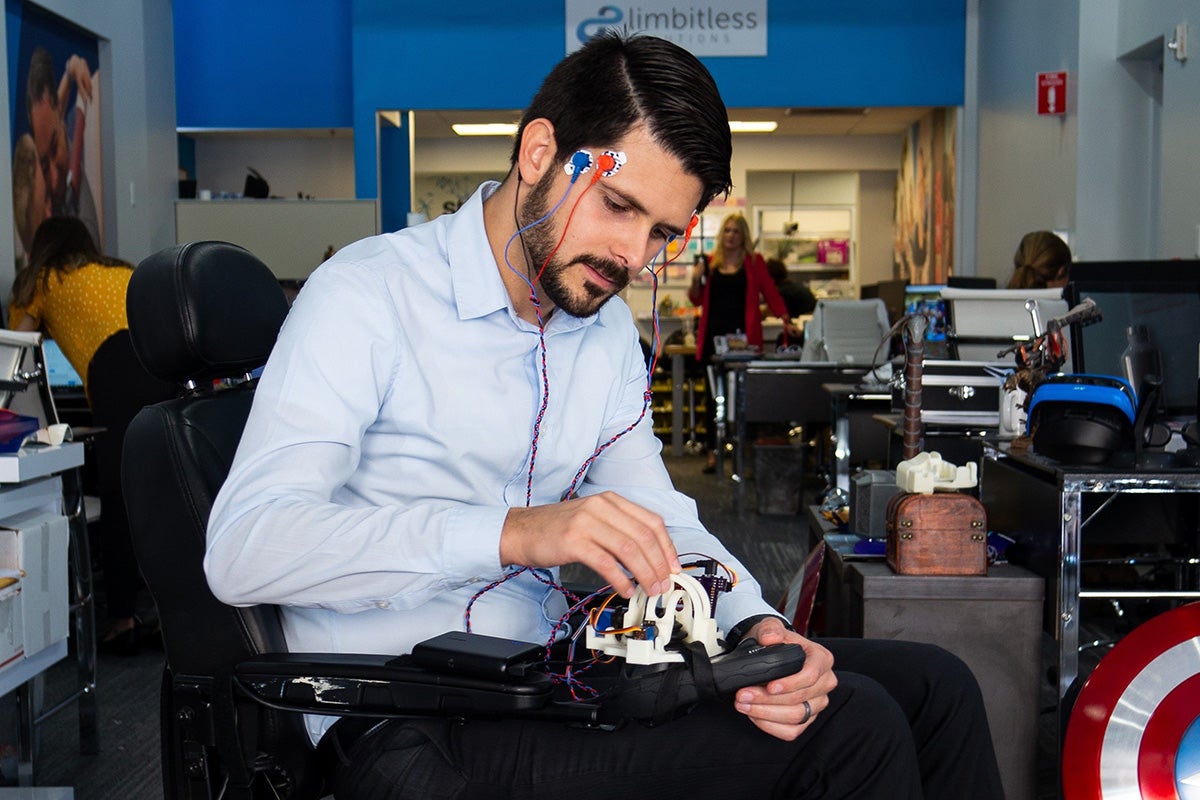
(779, 475)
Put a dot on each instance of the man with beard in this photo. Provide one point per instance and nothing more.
(455, 410)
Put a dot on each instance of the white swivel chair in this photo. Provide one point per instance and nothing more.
(846, 332)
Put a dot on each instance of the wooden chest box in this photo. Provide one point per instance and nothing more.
(944, 533)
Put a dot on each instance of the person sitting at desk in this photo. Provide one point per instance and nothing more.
(76, 295)
(1042, 261)
(796, 295)
(380, 497)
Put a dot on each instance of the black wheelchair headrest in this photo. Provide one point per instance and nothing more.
(204, 310)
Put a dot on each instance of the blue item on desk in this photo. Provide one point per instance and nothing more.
(871, 547)
(14, 428)
(997, 547)
(1082, 418)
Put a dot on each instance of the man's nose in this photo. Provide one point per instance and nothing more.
(626, 251)
(639, 248)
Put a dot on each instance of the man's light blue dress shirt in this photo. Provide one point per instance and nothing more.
(390, 434)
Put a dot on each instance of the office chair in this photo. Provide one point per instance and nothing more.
(847, 332)
(231, 693)
(198, 313)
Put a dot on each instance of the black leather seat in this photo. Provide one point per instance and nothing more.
(197, 313)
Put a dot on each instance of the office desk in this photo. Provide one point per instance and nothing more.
(45, 482)
(769, 390)
(668, 324)
(1048, 508)
(991, 622)
(957, 443)
(849, 401)
(1045, 506)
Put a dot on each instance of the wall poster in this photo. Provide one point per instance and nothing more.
(924, 244)
(54, 106)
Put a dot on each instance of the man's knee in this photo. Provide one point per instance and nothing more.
(945, 678)
(861, 748)
(916, 674)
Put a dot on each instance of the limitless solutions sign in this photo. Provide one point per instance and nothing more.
(705, 27)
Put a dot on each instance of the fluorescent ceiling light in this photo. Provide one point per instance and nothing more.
(764, 126)
(508, 128)
(485, 129)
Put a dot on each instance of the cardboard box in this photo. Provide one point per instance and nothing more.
(36, 543)
(44, 495)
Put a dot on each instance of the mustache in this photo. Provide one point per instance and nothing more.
(611, 270)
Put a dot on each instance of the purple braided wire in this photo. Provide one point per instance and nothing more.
(537, 423)
(647, 397)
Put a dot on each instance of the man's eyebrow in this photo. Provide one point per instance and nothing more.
(633, 203)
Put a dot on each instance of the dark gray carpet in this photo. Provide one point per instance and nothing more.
(127, 765)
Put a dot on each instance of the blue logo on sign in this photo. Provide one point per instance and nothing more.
(609, 15)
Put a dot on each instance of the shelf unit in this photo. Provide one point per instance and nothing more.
(663, 405)
(795, 231)
(679, 401)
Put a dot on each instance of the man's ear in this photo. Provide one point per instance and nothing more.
(536, 154)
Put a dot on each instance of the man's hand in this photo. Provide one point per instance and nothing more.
(605, 532)
(778, 707)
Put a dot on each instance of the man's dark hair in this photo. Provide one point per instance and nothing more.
(41, 80)
(614, 82)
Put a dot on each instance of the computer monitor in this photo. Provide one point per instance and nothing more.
(1123, 272)
(61, 376)
(1164, 298)
(891, 292)
(927, 299)
(970, 282)
(984, 322)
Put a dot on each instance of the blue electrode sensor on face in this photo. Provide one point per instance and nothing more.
(580, 162)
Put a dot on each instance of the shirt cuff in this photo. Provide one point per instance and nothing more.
(471, 545)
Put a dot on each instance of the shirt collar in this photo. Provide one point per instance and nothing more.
(478, 290)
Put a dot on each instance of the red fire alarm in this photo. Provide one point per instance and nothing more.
(1051, 93)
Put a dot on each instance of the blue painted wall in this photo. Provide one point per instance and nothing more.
(306, 63)
(262, 64)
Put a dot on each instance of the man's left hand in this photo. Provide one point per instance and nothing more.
(778, 708)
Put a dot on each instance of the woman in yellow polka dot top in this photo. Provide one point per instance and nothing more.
(76, 295)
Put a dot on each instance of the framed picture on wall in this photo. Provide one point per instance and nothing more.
(54, 96)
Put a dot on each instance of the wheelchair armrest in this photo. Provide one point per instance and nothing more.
(393, 686)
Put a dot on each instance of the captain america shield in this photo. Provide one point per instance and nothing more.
(1134, 731)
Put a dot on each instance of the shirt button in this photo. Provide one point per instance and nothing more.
(383, 604)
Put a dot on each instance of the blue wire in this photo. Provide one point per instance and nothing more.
(536, 222)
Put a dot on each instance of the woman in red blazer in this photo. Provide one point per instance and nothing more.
(728, 290)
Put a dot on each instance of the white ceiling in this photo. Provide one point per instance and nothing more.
(792, 121)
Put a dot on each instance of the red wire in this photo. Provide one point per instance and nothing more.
(546, 263)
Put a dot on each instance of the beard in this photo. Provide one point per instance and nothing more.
(539, 242)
